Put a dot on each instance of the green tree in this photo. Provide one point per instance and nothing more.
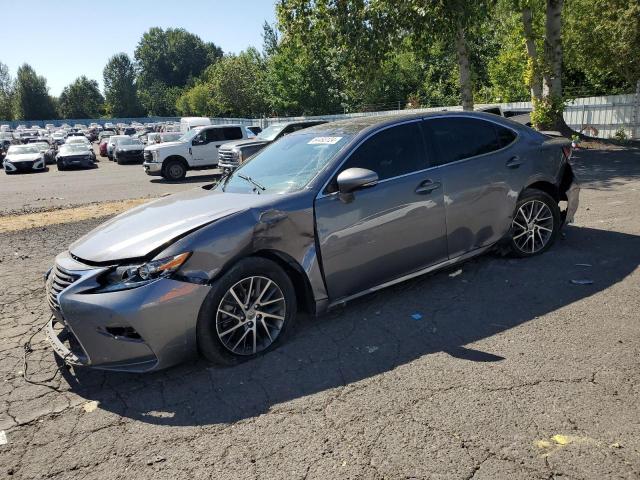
(167, 61)
(81, 99)
(6, 93)
(231, 87)
(121, 94)
(602, 41)
(31, 99)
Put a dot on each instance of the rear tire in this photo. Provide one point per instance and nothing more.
(228, 332)
(535, 225)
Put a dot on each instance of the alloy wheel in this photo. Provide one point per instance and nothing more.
(175, 170)
(251, 315)
(532, 226)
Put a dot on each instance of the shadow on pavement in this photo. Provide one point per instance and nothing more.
(375, 334)
(605, 169)
(209, 177)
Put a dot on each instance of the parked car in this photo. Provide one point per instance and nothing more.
(47, 151)
(320, 217)
(128, 150)
(111, 144)
(78, 140)
(102, 146)
(196, 149)
(166, 137)
(75, 155)
(520, 115)
(23, 158)
(232, 154)
(58, 137)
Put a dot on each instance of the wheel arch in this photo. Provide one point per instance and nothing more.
(176, 157)
(299, 278)
(543, 185)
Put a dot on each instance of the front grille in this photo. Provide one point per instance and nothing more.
(148, 156)
(131, 153)
(23, 165)
(58, 280)
(227, 157)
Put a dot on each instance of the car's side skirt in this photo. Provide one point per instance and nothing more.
(423, 271)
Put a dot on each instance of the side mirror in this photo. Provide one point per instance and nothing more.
(197, 141)
(354, 179)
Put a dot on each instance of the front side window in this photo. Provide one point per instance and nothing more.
(457, 138)
(390, 153)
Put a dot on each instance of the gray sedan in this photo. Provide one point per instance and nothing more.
(317, 218)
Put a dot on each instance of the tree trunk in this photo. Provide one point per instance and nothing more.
(552, 74)
(466, 88)
(532, 53)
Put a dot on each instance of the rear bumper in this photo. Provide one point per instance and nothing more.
(573, 200)
(137, 330)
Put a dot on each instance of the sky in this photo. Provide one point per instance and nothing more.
(64, 39)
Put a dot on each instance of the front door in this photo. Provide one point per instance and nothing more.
(386, 231)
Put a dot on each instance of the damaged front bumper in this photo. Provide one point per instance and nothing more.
(135, 330)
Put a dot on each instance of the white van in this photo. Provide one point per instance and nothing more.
(187, 123)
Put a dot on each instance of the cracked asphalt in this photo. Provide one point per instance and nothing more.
(509, 371)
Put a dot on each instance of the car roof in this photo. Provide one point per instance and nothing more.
(355, 125)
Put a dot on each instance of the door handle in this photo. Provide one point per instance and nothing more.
(427, 186)
(514, 162)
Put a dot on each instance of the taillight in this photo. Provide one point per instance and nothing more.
(567, 151)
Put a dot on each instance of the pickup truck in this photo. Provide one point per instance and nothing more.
(195, 150)
(232, 154)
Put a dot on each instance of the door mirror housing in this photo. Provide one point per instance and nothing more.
(353, 179)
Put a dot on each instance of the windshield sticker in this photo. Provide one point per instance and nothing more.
(324, 140)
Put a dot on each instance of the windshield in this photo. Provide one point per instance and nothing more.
(73, 148)
(23, 149)
(189, 135)
(77, 140)
(286, 165)
(41, 145)
(128, 141)
(270, 133)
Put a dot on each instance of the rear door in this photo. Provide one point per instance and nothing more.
(482, 174)
(388, 230)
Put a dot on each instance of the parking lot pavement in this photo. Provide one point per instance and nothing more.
(499, 368)
(109, 181)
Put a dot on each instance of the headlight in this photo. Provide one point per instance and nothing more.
(237, 154)
(154, 155)
(126, 277)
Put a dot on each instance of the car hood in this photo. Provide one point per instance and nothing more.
(158, 146)
(24, 157)
(244, 143)
(141, 230)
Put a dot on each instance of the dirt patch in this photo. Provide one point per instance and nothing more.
(12, 223)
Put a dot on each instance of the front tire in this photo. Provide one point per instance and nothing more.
(174, 170)
(249, 311)
(535, 225)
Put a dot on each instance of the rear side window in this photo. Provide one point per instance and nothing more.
(223, 134)
(392, 152)
(232, 133)
(457, 138)
(505, 136)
